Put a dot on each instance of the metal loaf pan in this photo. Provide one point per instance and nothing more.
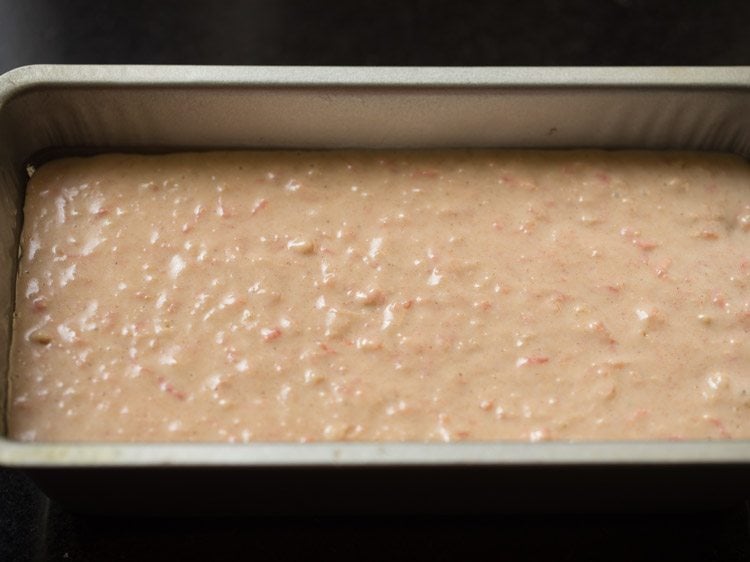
(47, 110)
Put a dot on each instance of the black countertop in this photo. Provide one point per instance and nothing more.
(32, 527)
(385, 32)
(377, 32)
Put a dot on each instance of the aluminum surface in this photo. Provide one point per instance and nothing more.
(59, 109)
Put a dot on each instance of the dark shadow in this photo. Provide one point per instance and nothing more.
(719, 535)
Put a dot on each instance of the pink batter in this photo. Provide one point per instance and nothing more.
(363, 295)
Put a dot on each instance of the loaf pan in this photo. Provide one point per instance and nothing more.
(59, 110)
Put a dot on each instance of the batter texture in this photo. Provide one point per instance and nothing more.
(384, 296)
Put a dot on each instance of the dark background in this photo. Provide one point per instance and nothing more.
(376, 32)
(549, 32)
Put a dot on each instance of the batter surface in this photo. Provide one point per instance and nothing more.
(364, 295)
